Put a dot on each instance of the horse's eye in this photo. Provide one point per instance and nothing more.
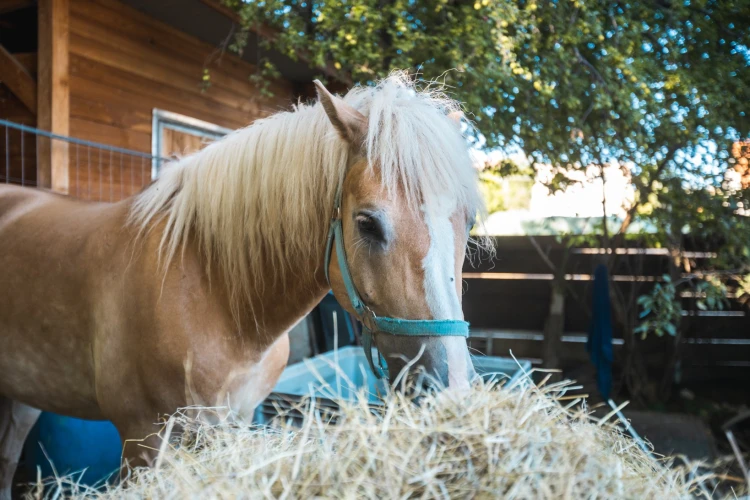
(369, 227)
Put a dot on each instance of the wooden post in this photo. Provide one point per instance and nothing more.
(53, 109)
(554, 326)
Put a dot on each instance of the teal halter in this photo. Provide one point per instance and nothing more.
(372, 323)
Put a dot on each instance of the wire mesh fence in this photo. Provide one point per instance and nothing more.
(82, 169)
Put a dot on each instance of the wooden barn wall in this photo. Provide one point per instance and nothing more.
(20, 168)
(507, 301)
(123, 64)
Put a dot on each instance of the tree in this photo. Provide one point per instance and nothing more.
(660, 87)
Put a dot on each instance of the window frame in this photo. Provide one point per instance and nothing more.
(162, 119)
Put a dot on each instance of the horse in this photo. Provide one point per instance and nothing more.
(183, 294)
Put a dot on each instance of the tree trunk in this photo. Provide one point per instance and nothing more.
(673, 354)
(553, 328)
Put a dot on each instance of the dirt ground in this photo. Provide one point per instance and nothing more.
(689, 423)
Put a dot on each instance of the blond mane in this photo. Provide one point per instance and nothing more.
(263, 194)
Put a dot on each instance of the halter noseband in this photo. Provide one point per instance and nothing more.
(372, 323)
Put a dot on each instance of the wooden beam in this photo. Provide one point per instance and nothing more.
(28, 61)
(53, 110)
(17, 79)
(14, 5)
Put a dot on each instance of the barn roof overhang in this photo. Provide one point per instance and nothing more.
(211, 22)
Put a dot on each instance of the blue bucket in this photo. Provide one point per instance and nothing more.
(72, 445)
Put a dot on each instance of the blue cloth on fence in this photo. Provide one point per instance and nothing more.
(599, 343)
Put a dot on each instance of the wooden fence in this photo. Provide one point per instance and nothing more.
(507, 302)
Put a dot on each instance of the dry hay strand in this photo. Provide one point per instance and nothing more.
(494, 441)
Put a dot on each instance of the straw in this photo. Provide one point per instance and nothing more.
(490, 442)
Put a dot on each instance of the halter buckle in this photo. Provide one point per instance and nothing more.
(368, 319)
(336, 215)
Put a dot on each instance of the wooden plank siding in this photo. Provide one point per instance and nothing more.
(123, 65)
(509, 313)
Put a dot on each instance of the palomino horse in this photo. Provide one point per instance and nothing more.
(184, 294)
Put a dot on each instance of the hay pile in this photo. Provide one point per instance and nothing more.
(524, 442)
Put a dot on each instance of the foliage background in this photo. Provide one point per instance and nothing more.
(660, 87)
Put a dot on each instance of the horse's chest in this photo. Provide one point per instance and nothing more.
(238, 386)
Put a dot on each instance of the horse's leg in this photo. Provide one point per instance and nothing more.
(140, 445)
(16, 420)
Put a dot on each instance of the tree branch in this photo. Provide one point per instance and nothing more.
(542, 254)
(642, 189)
(587, 112)
(559, 273)
(590, 66)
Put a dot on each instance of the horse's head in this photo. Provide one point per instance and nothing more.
(404, 258)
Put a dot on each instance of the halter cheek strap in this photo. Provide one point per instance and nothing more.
(372, 323)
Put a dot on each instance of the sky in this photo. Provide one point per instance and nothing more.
(582, 200)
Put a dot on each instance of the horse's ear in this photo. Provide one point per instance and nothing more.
(348, 122)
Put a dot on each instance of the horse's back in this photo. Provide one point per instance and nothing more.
(45, 235)
(16, 200)
(38, 207)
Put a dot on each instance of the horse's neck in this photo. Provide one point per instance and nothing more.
(277, 306)
(281, 305)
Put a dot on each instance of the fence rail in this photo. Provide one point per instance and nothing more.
(96, 171)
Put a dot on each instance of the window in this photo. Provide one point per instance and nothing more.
(175, 135)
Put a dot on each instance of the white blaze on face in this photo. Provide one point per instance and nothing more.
(440, 262)
(440, 288)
